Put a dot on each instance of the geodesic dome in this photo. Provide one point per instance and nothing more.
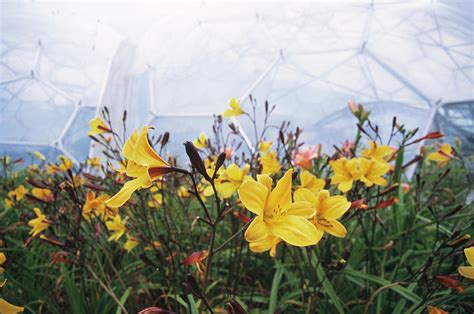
(402, 58)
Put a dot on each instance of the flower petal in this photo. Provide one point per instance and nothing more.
(295, 230)
(281, 194)
(336, 229)
(125, 193)
(469, 252)
(302, 209)
(305, 195)
(334, 207)
(257, 230)
(253, 195)
(467, 271)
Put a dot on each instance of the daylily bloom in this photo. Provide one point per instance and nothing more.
(43, 194)
(235, 109)
(3, 259)
(345, 173)
(311, 182)
(18, 193)
(380, 152)
(201, 141)
(270, 163)
(264, 146)
(277, 217)
(196, 258)
(98, 126)
(303, 156)
(468, 271)
(231, 179)
(8, 308)
(442, 156)
(94, 162)
(144, 165)
(64, 164)
(38, 224)
(117, 227)
(96, 206)
(435, 310)
(156, 200)
(131, 243)
(183, 192)
(372, 170)
(328, 210)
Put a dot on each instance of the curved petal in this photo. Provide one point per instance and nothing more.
(334, 207)
(466, 271)
(129, 146)
(266, 180)
(336, 229)
(257, 230)
(253, 195)
(295, 230)
(302, 209)
(305, 195)
(144, 154)
(233, 172)
(345, 186)
(125, 193)
(469, 252)
(226, 189)
(281, 194)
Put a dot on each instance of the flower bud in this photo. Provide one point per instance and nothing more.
(196, 160)
(234, 307)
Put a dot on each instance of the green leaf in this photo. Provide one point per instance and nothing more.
(123, 299)
(328, 286)
(275, 286)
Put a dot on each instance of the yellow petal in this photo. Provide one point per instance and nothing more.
(469, 252)
(253, 195)
(8, 308)
(266, 180)
(302, 209)
(345, 185)
(294, 230)
(334, 207)
(144, 154)
(129, 147)
(257, 230)
(3, 258)
(466, 271)
(226, 189)
(281, 194)
(336, 229)
(305, 195)
(125, 193)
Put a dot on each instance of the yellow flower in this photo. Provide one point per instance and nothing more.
(144, 165)
(96, 206)
(17, 194)
(156, 200)
(270, 163)
(39, 155)
(131, 243)
(8, 308)
(117, 227)
(8, 203)
(311, 182)
(264, 146)
(183, 192)
(64, 164)
(43, 194)
(372, 171)
(231, 179)
(3, 259)
(201, 141)
(38, 224)
(380, 152)
(442, 156)
(98, 126)
(235, 109)
(468, 271)
(277, 217)
(345, 173)
(328, 210)
(94, 162)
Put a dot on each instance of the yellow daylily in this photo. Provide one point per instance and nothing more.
(264, 146)
(144, 165)
(311, 182)
(345, 173)
(468, 271)
(270, 163)
(98, 126)
(372, 170)
(442, 156)
(18, 194)
(183, 192)
(96, 206)
(231, 179)
(131, 243)
(156, 200)
(8, 308)
(43, 194)
(235, 109)
(39, 224)
(3, 259)
(94, 162)
(117, 227)
(380, 152)
(201, 141)
(328, 210)
(65, 163)
(277, 217)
